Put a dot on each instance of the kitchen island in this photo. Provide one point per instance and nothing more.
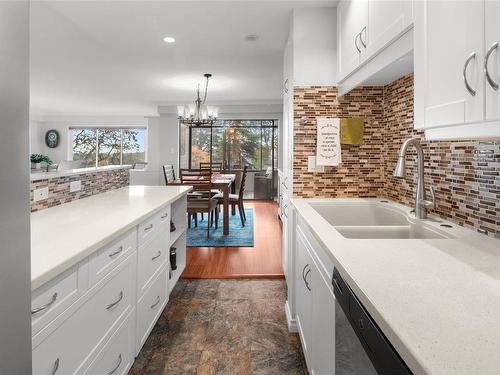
(102, 270)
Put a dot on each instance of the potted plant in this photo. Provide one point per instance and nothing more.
(37, 159)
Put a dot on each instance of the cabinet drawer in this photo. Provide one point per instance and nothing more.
(48, 301)
(118, 354)
(152, 257)
(150, 307)
(149, 227)
(103, 261)
(84, 331)
(164, 216)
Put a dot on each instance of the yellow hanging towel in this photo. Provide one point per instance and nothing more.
(351, 131)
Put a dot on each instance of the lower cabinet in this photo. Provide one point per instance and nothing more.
(314, 308)
(95, 317)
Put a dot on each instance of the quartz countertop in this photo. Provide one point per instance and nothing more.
(42, 175)
(436, 300)
(64, 235)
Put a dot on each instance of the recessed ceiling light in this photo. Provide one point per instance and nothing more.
(251, 38)
(169, 39)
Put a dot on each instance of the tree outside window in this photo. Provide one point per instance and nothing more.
(109, 146)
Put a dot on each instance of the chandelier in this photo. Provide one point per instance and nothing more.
(198, 113)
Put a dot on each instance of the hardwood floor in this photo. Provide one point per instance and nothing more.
(261, 261)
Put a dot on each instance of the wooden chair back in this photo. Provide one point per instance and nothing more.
(215, 167)
(242, 183)
(169, 173)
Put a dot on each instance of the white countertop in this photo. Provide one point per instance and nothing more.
(41, 175)
(437, 301)
(64, 235)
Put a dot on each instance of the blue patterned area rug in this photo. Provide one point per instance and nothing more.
(238, 235)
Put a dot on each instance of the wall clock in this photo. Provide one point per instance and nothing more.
(52, 138)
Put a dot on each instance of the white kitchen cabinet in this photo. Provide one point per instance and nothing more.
(352, 18)
(304, 267)
(370, 38)
(454, 90)
(387, 19)
(492, 47)
(314, 303)
(454, 99)
(323, 328)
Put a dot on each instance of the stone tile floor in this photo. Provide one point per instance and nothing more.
(223, 327)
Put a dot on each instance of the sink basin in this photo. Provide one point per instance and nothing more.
(377, 219)
(363, 213)
(389, 232)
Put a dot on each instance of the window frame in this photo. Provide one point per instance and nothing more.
(103, 127)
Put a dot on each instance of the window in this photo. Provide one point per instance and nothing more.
(109, 146)
(235, 143)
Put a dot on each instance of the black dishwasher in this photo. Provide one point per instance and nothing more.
(361, 347)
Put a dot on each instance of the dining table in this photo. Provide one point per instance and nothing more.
(225, 182)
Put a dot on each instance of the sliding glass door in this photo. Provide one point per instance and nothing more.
(236, 144)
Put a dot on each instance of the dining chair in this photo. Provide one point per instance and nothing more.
(237, 199)
(169, 173)
(215, 167)
(191, 176)
(202, 202)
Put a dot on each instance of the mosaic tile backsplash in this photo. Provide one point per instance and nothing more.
(465, 174)
(92, 183)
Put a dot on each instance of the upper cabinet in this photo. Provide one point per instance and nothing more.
(365, 29)
(457, 69)
(492, 59)
(352, 18)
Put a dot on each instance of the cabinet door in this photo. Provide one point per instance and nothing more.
(453, 32)
(387, 20)
(303, 297)
(492, 38)
(352, 17)
(323, 326)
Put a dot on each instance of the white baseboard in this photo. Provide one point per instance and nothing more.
(292, 323)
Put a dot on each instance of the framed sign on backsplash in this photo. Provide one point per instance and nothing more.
(52, 138)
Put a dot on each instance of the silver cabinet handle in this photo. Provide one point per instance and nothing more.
(55, 367)
(111, 305)
(41, 308)
(120, 249)
(156, 256)
(156, 303)
(285, 86)
(164, 216)
(471, 57)
(305, 278)
(117, 365)
(149, 227)
(492, 83)
(356, 43)
(361, 37)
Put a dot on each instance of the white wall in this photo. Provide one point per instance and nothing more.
(15, 278)
(314, 46)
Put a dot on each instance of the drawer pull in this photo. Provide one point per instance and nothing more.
(55, 367)
(117, 365)
(164, 216)
(156, 303)
(41, 308)
(120, 249)
(149, 227)
(111, 305)
(156, 256)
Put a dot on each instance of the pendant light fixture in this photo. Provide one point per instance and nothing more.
(198, 113)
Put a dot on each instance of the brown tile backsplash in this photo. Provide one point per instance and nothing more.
(465, 174)
(92, 183)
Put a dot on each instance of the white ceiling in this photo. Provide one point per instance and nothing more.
(108, 57)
